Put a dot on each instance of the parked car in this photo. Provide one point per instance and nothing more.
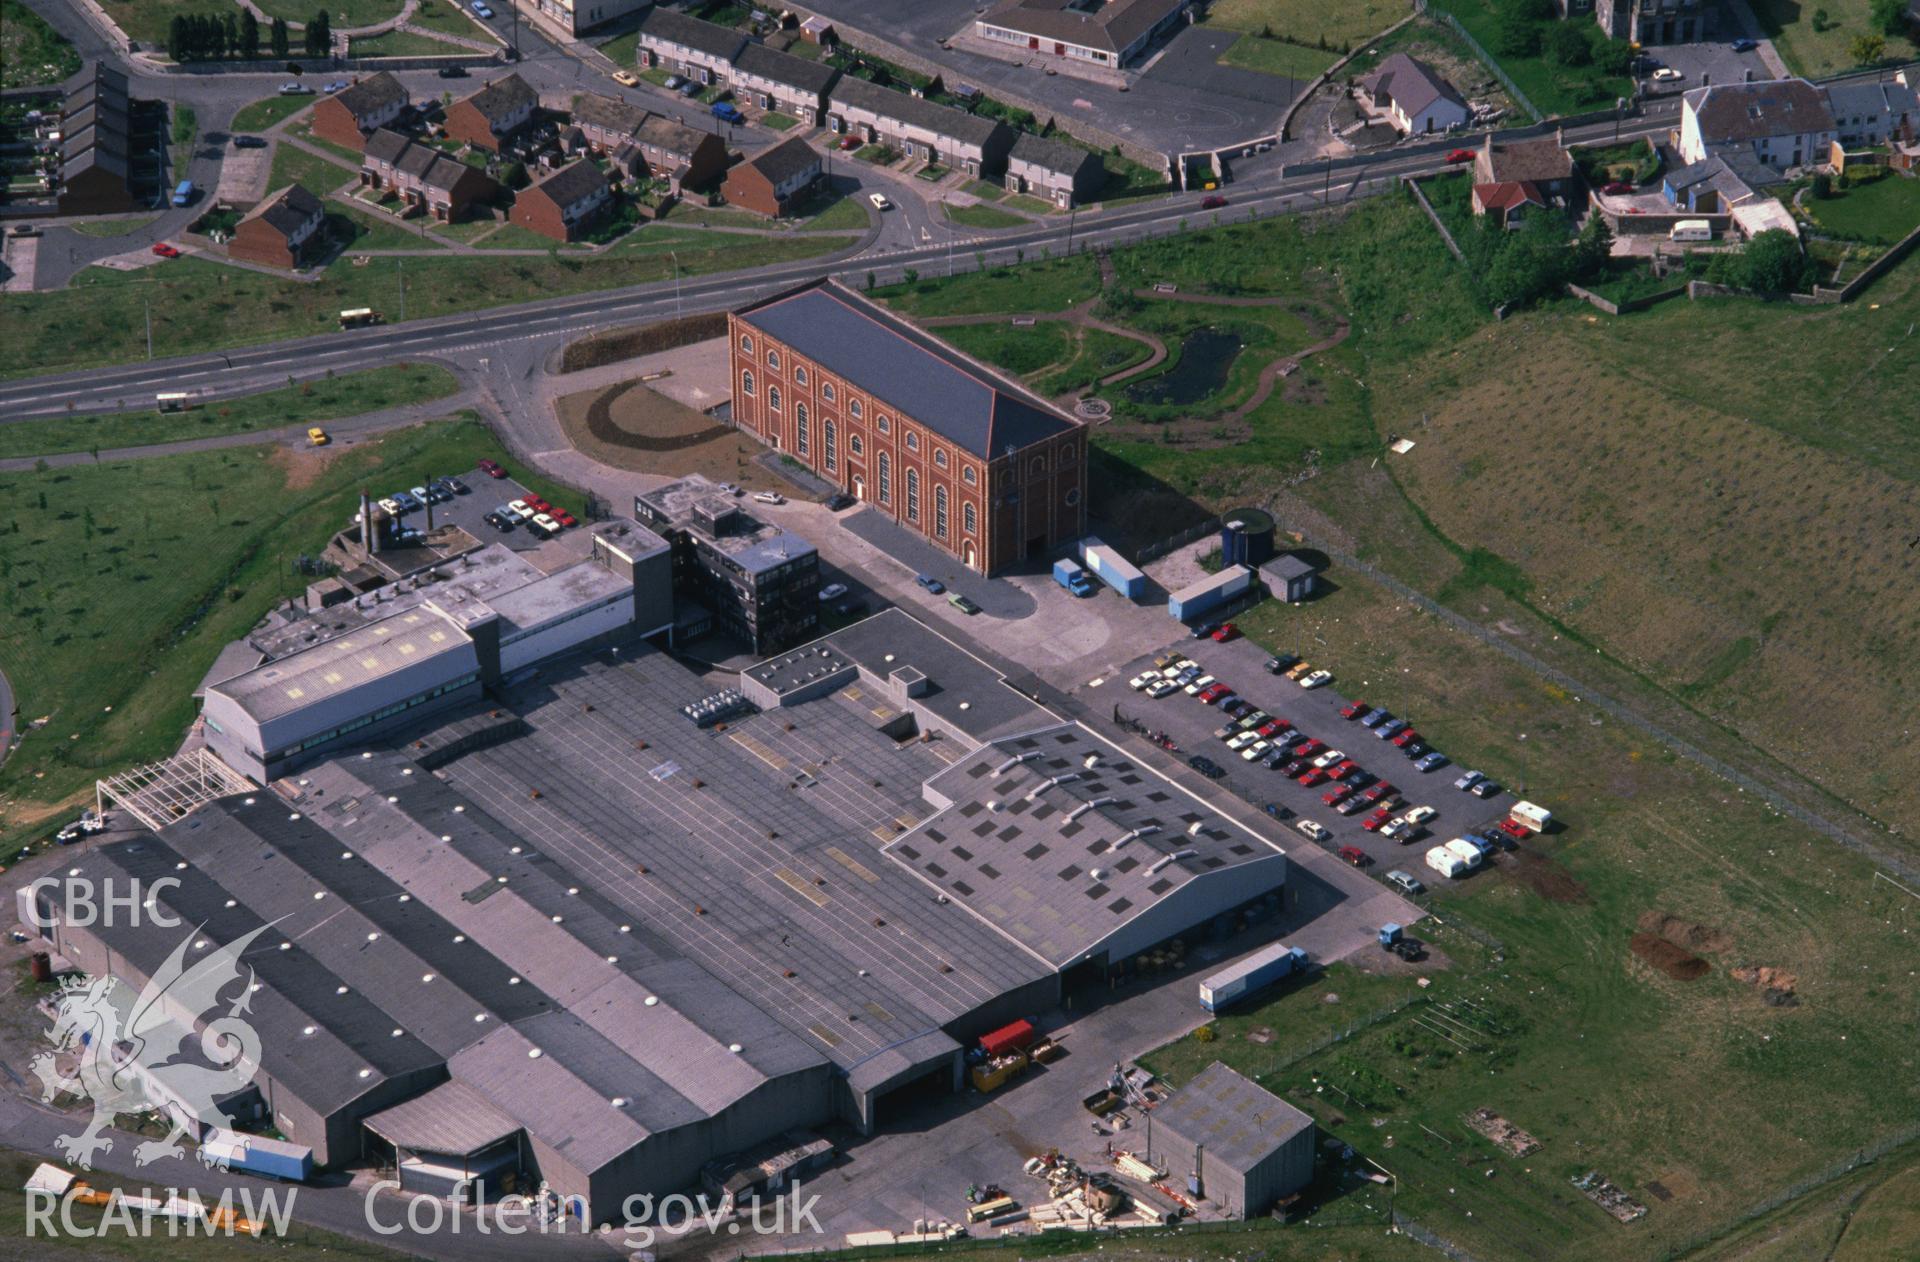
(1378, 820)
(492, 469)
(1421, 814)
(673, 82)
(1165, 687)
(838, 501)
(1224, 632)
(1375, 717)
(1140, 681)
(1405, 738)
(1485, 789)
(565, 518)
(1468, 779)
(391, 507)
(498, 522)
(1353, 709)
(931, 583)
(338, 85)
(1317, 679)
(1744, 45)
(1457, 156)
(1205, 630)
(1256, 751)
(964, 604)
(833, 591)
(547, 523)
(183, 193)
(1667, 74)
(1432, 760)
(249, 142)
(1405, 882)
(422, 495)
(295, 89)
(769, 497)
(1391, 728)
(523, 508)
(317, 436)
(1285, 661)
(727, 112)
(626, 78)
(1212, 201)
(1276, 810)
(1312, 778)
(688, 88)
(1514, 829)
(1336, 794)
(1299, 669)
(1616, 188)
(165, 251)
(481, 9)
(849, 142)
(453, 72)
(1307, 828)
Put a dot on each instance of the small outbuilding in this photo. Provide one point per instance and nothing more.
(1291, 577)
(1225, 1139)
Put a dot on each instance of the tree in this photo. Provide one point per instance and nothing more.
(1614, 57)
(278, 37)
(1867, 49)
(1531, 263)
(319, 35)
(249, 34)
(1516, 38)
(1889, 17)
(177, 38)
(1592, 249)
(515, 176)
(1773, 263)
(1822, 185)
(230, 35)
(1566, 45)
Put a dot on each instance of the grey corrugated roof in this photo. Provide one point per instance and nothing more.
(1237, 1121)
(883, 355)
(377, 651)
(916, 111)
(452, 1119)
(287, 210)
(1049, 154)
(779, 67)
(677, 28)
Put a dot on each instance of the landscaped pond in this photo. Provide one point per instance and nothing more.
(1205, 358)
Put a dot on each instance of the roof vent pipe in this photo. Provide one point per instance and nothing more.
(1015, 761)
(1084, 807)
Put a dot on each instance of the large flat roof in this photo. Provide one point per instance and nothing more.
(885, 356)
(374, 652)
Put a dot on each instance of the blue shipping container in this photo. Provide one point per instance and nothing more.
(256, 1154)
(1255, 973)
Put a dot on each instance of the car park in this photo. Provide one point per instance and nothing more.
(1317, 679)
(1430, 761)
(833, 591)
(932, 584)
(1468, 780)
(1405, 882)
(1485, 789)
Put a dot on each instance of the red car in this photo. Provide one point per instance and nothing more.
(1405, 738)
(1353, 709)
(1355, 855)
(539, 505)
(1212, 201)
(1273, 728)
(1459, 156)
(492, 469)
(565, 518)
(1311, 748)
(850, 142)
(1616, 188)
(1385, 789)
(1514, 830)
(1313, 777)
(1336, 793)
(165, 251)
(1378, 820)
(1213, 692)
(1342, 769)
(1226, 632)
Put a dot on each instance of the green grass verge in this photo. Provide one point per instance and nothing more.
(447, 18)
(308, 404)
(124, 579)
(1277, 57)
(341, 13)
(988, 217)
(398, 43)
(1880, 212)
(778, 121)
(1050, 285)
(114, 227)
(845, 214)
(262, 114)
(294, 165)
(31, 52)
(1021, 351)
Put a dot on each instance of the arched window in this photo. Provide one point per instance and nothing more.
(970, 519)
(913, 441)
(799, 375)
(913, 494)
(1038, 465)
(800, 428)
(833, 450)
(773, 397)
(746, 344)
(886, 479)
(940, 511)
(853, 406)
(968, 476)
(826, 391)
(746, 382)
(773, 359)
(939, 458)
(853, 444)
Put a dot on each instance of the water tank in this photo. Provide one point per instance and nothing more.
(1246, 538)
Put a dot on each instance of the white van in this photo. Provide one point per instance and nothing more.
(1691, 230)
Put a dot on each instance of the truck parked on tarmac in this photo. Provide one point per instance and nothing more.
(1250, 976)
(1070, 576)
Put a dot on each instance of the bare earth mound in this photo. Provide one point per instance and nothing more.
(1676, 962)
(631, 427)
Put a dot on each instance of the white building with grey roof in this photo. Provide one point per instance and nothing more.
(1226, 1139)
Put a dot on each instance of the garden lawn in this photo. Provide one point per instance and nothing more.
(1051, 285)
(294, 165)
(398, 43)
(987, 217)
(1277, 57)
(1022, 351)
(1552, 88)
(343, 14)
(1341, 23)
(1789, 24)
(31, 52)
(306, 404)
(124, 579)
(623, 50)
(262, 114)
(447, 18)
(1881, 212)
(198, 305)
(779, 122)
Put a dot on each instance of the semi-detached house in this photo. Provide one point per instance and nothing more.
(1064, 174)
(564, 203)
(489, 116)
(777, 81)
(281, 230)
(776, 181)
(424, 178)
(352, 114)
(700, 50)
(922, 129)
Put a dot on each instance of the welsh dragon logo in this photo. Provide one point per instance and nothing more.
(138, 1057)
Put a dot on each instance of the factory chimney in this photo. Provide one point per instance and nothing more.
(366, 524)
(429, 488)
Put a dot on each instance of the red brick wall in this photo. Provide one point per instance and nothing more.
(536, 212)
(334, 121)
(464, 122)
(255, 241)
(748, 189)
(1055, 493)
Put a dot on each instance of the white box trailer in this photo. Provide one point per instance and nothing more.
(1691, 230)
(1113, 569)
(1447, 863)
(1530, 817)
(1470, 854)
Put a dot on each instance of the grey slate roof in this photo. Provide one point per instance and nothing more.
(797, 72)
(673, 27)
(287, 210)
(1051, 155)
(502, 97)
(608, 113)
(885, 356)
(372, 94)
(914, 111)
(1410, 83)
(1238, 1122)
(1755, 111)
(785, 160)
(571, 183)
(1870, 100)
(670, 135)
(430, 166)
(1112, 26)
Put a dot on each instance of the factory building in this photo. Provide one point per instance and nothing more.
(564, 934)
(761, 583)
(1227, 1140)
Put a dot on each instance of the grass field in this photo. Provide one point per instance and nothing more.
(294, 165)
(1021, 351)
(31, 52)
(262, 114)
(342, 13)
(1880, 213)
(1051, 285)
(1553, 88)
(147, 20)
(1341, 23)
(398, 43)
(123, 579)
(987, 217)
(306, 404)
(1614, 1066)
(1789, 24)
(198, 305)
(1277, 57)
(447, 18)
(1865, 1217)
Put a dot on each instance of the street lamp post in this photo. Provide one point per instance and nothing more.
(676, 283)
